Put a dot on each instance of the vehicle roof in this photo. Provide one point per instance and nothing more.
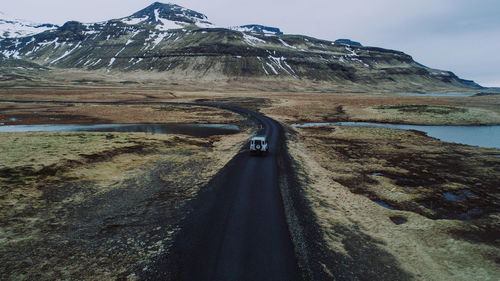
(259, 138)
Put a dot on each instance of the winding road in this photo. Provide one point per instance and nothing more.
(237, 229)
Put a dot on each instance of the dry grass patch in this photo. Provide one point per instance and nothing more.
(444, 198)
(83, 206)
(430, 115)
(313, 108)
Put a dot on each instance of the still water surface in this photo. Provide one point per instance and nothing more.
(485, 136)
(198, 130)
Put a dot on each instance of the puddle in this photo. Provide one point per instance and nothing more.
(485, 136)
(471, 214)
(14, 119)
(458, 196)
(197, 130)
(385, 205)
(453, 205)
(398, 219)
(403, 182)
(399, 181)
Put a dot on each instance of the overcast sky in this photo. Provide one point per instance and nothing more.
(462, 36)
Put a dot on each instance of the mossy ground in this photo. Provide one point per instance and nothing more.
(87, 206)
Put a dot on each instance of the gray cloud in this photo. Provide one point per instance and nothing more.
(458, 35)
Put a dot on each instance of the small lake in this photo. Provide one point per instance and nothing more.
(485, 136)
(197, 130)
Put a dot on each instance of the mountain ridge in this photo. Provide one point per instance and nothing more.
(11, 27)
(180, 42)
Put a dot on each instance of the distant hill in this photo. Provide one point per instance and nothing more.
(14, 28)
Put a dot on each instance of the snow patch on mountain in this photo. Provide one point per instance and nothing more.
(166, 24)
(130, 41)
(286, 44)
(133, 21)
(67, 53)
(160, 38)
(280, 62)
(164, 17)
(16, 28)
(255, 28)
(272, 68)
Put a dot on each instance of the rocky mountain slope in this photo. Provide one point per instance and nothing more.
(182, 43)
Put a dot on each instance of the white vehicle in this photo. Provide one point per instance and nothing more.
(259, 145)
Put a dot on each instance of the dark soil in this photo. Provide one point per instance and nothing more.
(422, 108)
(118, 231)
(252, 104)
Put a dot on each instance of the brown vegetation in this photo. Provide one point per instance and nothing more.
(397, 203)
(88, 206)
(385, 108)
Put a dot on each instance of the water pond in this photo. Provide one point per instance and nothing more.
(458, 196)
(485, 136)
(197, 130)
(385, 205)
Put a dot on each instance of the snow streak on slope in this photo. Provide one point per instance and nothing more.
(286, 44)
(165, 23)
(251, 40)
(66, 53)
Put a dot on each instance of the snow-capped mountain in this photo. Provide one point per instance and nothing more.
(168, 16)
(14, 28)
(182, 43)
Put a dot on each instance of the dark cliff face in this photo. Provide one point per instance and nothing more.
(176, 41)
(348, 42)
(72, 26)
